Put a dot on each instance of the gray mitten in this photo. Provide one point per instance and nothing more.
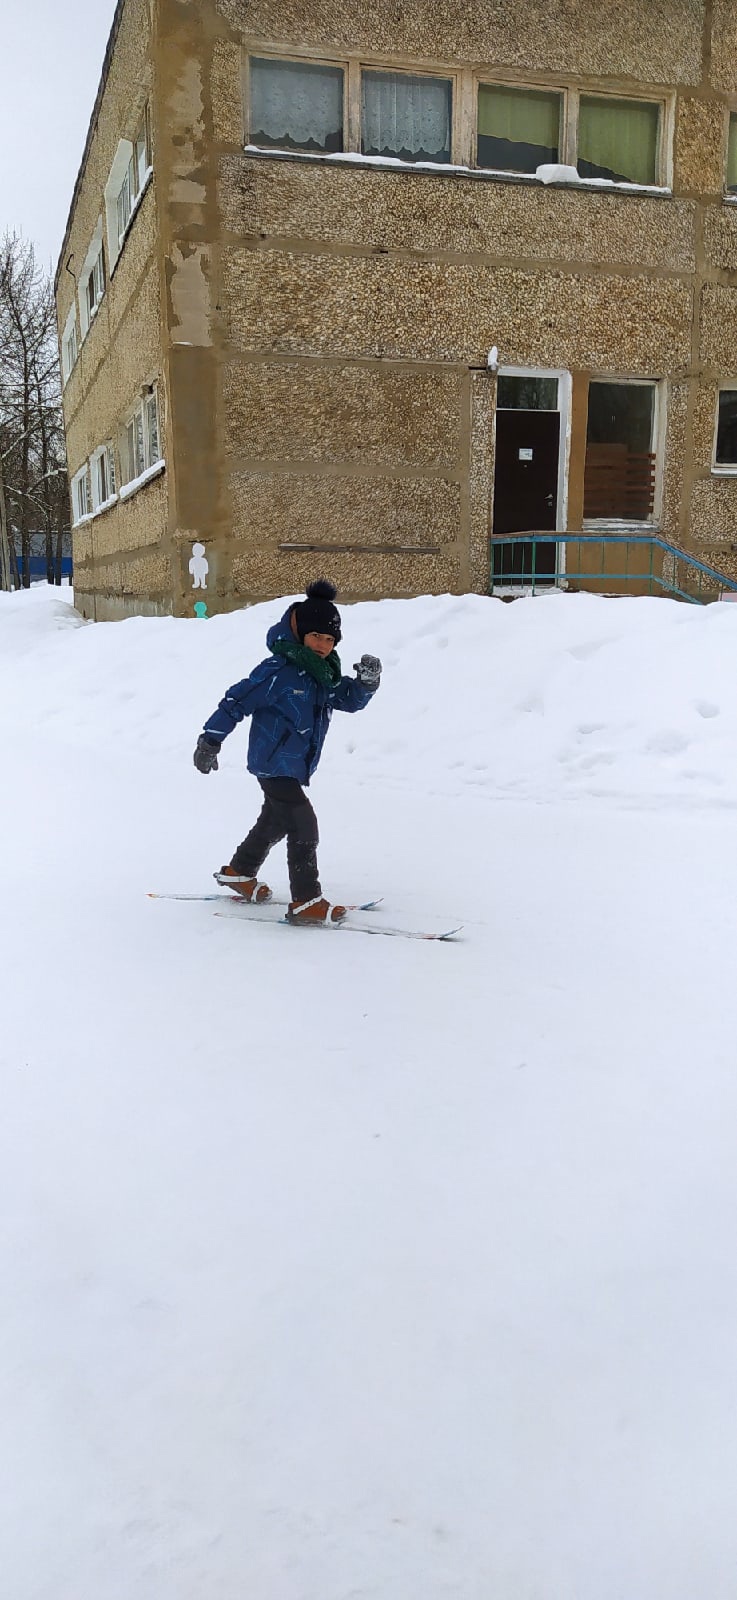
(368, 671)
(206, 755)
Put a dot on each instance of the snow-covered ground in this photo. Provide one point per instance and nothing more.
(339, 1268)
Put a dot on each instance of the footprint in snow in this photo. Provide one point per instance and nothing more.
(601, 758)
(667, 743)
(583, 651)
(706, 708)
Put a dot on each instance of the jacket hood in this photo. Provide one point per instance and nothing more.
(280, 630)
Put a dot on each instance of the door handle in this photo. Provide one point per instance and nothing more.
(549, 500)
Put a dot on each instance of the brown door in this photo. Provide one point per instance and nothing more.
(526, 492)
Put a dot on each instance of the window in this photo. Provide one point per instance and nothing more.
(619, 480)
(618, 139)
(518, 129)
(296, 105)
(526, 393)
(141, 443)
(124, 201)
(405, 116)
(133, 179)
(94, 286)
(81, 501)
(102, 474)
(129, 175)
(725, 453)
(69, 345)
(732, 155)
(91, 286)
(142, 152)
(152, 429)
(135, 460)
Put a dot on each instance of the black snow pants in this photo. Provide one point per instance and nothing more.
(285, 814)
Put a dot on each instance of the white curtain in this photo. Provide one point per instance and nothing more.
(295, 104)
(405, 116)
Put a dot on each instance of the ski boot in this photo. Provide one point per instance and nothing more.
(247, 888)
(315, 911)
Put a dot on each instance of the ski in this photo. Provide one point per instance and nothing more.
(346, 925)
(245, 910)
(231, 898)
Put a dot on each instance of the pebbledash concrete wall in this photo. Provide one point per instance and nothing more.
(121, 562)
(325, 325)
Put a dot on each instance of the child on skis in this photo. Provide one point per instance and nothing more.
(290, 697)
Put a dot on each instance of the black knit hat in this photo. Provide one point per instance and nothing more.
(317, 614)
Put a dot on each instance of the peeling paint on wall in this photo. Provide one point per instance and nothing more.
(189, 291)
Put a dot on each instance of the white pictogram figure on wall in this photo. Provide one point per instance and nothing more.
(199, 567)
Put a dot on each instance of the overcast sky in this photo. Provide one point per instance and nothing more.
(52, 53)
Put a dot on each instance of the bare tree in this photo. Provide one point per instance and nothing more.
(33, 484)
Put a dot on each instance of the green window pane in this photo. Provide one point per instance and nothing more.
(732, 157)
(296, 105)
(618, 139)
(518, 130)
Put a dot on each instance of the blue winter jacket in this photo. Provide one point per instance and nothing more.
(290, 713)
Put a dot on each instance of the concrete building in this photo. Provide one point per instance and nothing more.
(345, 288)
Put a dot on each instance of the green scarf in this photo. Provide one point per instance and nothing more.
(324, 669)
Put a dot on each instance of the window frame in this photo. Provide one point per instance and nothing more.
(103, 456)
(568, 155)
(352, 69)
(125, 171)
(438, 75)
(657, 449)
(730, 117)
(81, 501)
(146, 402)
(484, 82)
(69, 332)
(663, 143)
(337, 63)
(722, 469)
(465, 83)
(93, 275)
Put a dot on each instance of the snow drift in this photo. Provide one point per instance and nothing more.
(359, 1268)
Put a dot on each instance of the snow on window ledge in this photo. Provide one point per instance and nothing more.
(105, 505)
(127, 489)
(724, 470)
(96, 511)
(567, 177)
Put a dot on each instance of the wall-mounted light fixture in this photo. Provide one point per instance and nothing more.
(492, 360)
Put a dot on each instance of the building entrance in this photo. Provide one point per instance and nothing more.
(527, 474)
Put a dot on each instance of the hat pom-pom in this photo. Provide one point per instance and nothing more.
(321, 590)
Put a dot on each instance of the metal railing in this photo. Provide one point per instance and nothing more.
(602, 563)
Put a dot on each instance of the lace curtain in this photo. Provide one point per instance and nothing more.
(405, 116)
(296, 105)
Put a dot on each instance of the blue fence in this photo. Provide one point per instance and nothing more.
(603, 563)
(37, 567)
